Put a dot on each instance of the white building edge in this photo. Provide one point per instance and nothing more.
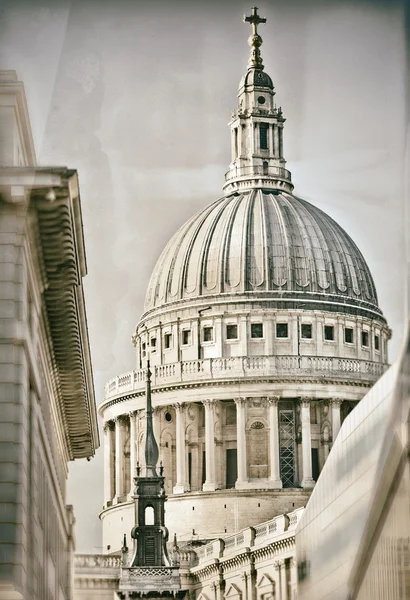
(47, 407)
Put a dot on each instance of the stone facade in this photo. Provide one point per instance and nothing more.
(256, 562)
(47, 415)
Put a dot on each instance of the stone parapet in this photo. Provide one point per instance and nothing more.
(205, 370)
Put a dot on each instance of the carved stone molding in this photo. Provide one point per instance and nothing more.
(273, 400)
(179, 407)
(240, 402)
(305, 402)
(337, 402)
(259, 402)
(108, 426)
(209, 403)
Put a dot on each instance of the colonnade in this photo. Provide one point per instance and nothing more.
(116, 483)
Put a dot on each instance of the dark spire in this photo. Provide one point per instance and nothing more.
(151, 447)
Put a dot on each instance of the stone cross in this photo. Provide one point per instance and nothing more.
(254, 19)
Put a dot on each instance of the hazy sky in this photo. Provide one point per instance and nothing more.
(137, 97)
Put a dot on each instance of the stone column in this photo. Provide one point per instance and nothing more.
(280, 142)
(119, 458)
(209, 485)
(293, 577)
(133, 449)
(252, 136)
(233, 154)
(271, 140)
(335, 404)
(307, 481)
(325, 442)
(240, 142)
(180, 486)
(108, 462)
(257, 139)
(276, 140)
(283, 581)
(242, 480)
(274, 478)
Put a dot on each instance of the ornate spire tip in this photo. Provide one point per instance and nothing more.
(255, 40)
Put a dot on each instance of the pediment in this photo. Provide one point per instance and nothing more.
(265, 581)
(233, 592)
(202, 596)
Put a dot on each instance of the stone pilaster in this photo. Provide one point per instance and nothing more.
(335, 403)
(119, 458)
(274, 477)
(242, 480)
(209, 485)
(108, 462)
(133, 450)
(181, 484)
(307, 481)
(283, 580)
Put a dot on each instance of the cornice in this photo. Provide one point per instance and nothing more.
(229, 382)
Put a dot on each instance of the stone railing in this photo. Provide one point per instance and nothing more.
(269, 171)
(245, 367)
(264, 533)
(97, 562)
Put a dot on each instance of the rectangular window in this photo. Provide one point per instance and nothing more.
(256, 330)
(348, 335)
(306, 331)
(329, 332)
(365, 338)
(167, 340)
(281, 330)
(153, 344)
(208, 334)
(263, 136)
(144, 349)
(231, 332)
(186, 337)
(376, 342)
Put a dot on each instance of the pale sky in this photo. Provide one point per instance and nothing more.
(137, 96)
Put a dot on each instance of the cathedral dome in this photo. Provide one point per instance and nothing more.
(267, 245)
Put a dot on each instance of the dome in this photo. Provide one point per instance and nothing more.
(257, 77)
(265, 244)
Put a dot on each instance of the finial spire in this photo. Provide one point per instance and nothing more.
(151, 447)
(255, 41)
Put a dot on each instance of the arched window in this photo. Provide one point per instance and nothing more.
(149, 515)
(265, 167)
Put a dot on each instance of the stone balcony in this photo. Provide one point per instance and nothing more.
(246, 368)
(252, 538)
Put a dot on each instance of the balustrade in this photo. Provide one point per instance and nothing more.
(220, 368)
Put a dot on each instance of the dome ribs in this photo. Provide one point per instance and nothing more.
(255, 246)
(299, 257)
(269, 243)
(235, 252)
(320, 252)
(211, 272)
(279, 232)
(224, 263)
(340, 236)
(175, 276)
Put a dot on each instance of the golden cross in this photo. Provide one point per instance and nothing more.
(254, 20)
